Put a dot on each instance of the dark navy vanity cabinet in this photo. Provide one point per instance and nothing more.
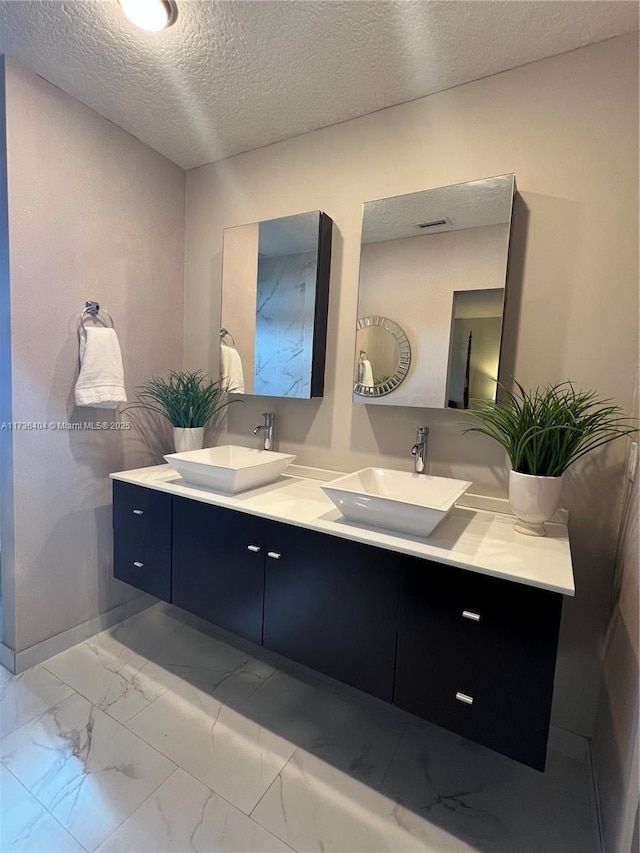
(218, 566)
(142, 538)
(469, 652)
(477, 655)
(333, 605)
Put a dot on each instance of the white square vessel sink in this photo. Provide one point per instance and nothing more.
(229, 468)
(396, 500)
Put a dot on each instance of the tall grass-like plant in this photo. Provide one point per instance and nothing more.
(186, 399)
(546, 430)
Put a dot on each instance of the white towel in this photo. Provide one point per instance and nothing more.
(365, 372)
(231, 369)
(101, 380)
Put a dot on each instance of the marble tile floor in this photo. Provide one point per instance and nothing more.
(162, 734)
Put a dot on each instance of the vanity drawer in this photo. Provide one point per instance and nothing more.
(142, 538)
(142, 511)
(492, 640)
(509, 715)
(503, 628)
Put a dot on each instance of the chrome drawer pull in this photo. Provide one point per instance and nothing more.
(462, 697)
(469, 614)
(138, 565)
(254, 548)
(138, 512)
(274, 555)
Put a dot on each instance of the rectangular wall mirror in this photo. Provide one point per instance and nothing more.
(433, 268)
(275, 297)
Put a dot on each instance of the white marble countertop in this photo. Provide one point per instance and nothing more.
(480, 540)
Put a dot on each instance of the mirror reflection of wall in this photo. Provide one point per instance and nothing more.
(475, 346)
(417, 252)
(381, 350)
(238, 317)
(383, 357)
(275, 284)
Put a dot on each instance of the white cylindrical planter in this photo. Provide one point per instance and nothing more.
(533, 500)
(188, 438)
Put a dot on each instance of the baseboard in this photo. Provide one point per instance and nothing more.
(7, 657)
(61, 642)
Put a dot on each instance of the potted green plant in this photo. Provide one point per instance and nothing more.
(188, 400)
(544, 432)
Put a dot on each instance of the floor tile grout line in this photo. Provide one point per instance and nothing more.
(39, 714)
(596, 798)
(146, 799)
(221, 796)
(179, 768)
(257, 822)
(201, 781)
(117, 722)
(43, 806)
(237, 808)
(395, 752)
(137, 714)
(270, 785)
(106, 710)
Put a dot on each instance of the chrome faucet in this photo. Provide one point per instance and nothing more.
(419, 450)
(267, 426)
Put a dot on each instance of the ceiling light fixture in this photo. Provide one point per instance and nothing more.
(150, 15)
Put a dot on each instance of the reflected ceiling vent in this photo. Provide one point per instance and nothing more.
(433, 223)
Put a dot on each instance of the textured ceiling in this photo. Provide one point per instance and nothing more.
(235, 75)
(470, 205)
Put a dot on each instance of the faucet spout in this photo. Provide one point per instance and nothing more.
(419, 450)
(268, 428)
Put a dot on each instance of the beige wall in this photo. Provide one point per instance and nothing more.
(615, 743)
(568, 128)
(6, 436)
(93, 214)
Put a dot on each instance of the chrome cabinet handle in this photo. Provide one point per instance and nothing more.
(138, 512)
(469, 614)
(462, 697)
(274, 555)
(254, 548)
(138, 565)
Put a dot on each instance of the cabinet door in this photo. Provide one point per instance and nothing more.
(477, 655)
(218, 566)
(332, 604)
(142, 538)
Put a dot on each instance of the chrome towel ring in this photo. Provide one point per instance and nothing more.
(92, 308)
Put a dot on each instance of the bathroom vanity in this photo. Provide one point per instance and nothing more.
(460, 628)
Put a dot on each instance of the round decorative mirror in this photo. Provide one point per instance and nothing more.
(383, 356)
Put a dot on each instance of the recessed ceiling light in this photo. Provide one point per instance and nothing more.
(151, 15)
